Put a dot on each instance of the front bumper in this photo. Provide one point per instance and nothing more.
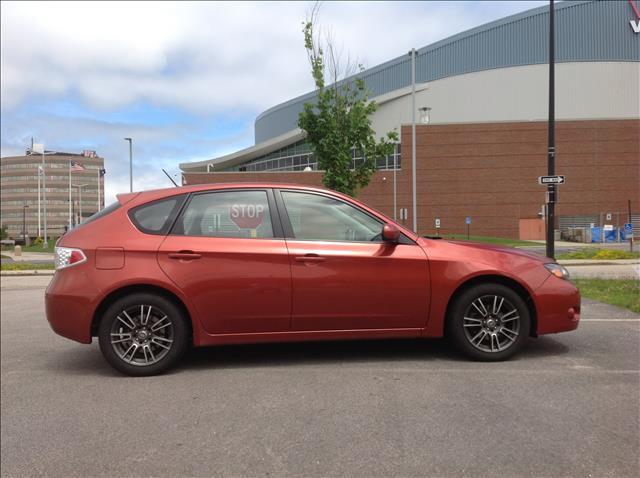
(558, 306)
(69, 304)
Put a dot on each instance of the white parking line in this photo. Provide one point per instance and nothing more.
(609, 320)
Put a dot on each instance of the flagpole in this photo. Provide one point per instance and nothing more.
(99, 177)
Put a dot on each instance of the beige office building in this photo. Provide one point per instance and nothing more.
(21, 185)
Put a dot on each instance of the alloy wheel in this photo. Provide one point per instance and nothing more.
(142, 335)
(491, 323)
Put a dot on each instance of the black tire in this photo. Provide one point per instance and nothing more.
(165, 326)
(466, 322)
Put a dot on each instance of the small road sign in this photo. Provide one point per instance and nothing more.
(437, 222)
(544, 180)
(468, 220)
(628, 230)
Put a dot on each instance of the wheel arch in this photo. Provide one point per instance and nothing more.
(137, 288)
(513, 284)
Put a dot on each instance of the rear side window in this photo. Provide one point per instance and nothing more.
(239, 214)
(156, 217)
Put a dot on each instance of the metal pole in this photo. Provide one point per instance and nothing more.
(551, 158)
(39, 215)
(632, 238)
(130, 163)
(413, 140)
(70, 204)
(99, 188)
(44, 199)
(24, 230)
(395, 184)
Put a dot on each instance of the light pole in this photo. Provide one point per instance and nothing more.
(80, 186)
(24, 222)
(39, 148)
(130, 164)
(413, 140)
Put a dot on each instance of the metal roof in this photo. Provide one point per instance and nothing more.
(585, 31)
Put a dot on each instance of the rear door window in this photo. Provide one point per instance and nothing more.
(237, 214)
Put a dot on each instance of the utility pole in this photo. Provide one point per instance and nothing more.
(551, 158)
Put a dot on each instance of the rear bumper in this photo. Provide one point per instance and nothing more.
(69, 300)
(558, 306)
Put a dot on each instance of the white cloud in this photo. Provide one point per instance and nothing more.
(207, 61)
(202, 56)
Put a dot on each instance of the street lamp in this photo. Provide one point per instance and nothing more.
(80, 186)
(24, 222)
(130, 164)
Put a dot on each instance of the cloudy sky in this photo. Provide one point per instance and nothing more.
(185, 80)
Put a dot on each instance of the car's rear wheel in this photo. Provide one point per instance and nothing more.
(142, 334)
(489, 322)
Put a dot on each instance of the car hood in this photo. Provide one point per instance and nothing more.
(500, 249)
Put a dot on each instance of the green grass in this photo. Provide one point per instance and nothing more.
(623, 293)
(491, 240)
(26, 266)
(601, 254)
(34, 248)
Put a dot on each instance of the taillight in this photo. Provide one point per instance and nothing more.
(67, 257)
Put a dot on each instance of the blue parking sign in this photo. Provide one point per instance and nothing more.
(468, 220)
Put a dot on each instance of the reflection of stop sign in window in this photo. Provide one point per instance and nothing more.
(247, 216)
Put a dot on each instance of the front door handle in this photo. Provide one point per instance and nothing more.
(185, 255)
(310, 258)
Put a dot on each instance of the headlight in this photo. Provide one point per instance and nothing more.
(557, 270)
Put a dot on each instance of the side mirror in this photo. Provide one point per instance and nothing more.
(390, 233)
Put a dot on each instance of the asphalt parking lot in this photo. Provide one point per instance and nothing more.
(568, 406)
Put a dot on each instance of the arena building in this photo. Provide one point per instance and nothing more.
(482, 109)
(23, 191)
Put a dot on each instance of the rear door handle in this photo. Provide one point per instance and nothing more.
(185, 255)
(310, 258)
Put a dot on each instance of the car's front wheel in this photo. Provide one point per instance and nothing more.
(142, 334)
(489, 322)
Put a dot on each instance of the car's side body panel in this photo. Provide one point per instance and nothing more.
(358, 285)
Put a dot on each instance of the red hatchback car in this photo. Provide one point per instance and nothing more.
(241, 263)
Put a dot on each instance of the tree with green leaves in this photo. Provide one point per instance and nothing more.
(339, 121)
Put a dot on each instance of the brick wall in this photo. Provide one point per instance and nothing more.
(489, 172)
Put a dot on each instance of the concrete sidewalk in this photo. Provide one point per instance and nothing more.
(30, 256)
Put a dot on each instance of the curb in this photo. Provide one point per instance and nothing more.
(604, 263)
(43, 272)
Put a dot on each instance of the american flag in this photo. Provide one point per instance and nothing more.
(102, 172)
(76, 166)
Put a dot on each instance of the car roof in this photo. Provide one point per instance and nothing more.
(153, 194)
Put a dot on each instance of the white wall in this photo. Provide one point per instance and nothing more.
(584, 91)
